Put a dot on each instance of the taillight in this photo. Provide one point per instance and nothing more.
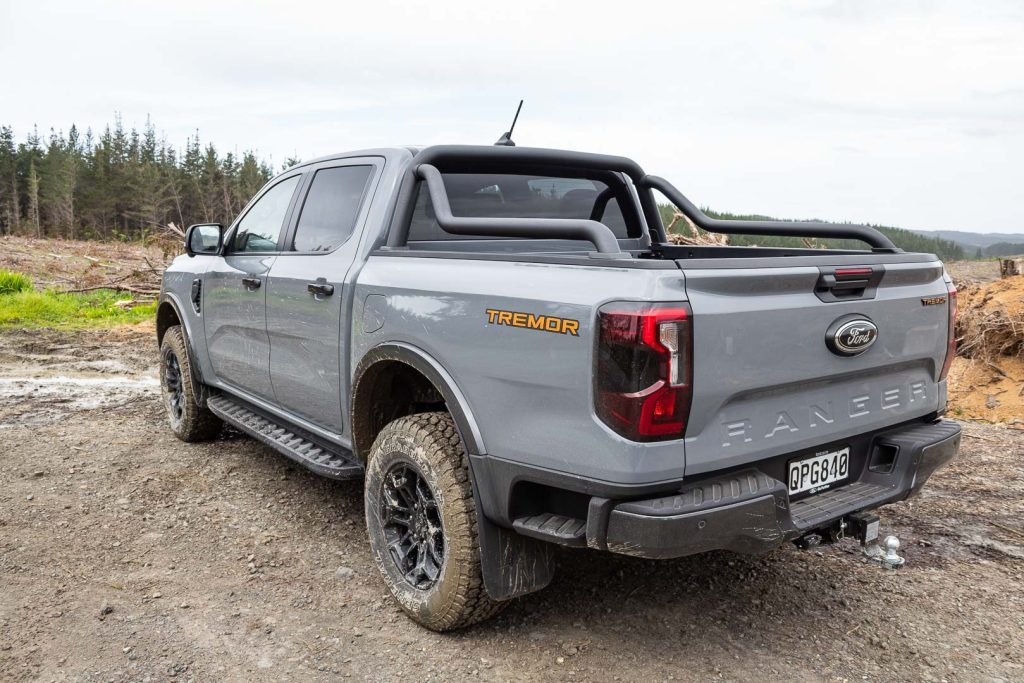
(642, 383)
(951, 334)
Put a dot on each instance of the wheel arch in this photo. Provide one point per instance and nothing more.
(168, 314)
(384, 361)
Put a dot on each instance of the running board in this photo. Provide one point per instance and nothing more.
(333, 463)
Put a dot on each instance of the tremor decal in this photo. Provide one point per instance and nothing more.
(532, 321)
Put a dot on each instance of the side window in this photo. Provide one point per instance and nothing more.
(331, 208)
(261, 226)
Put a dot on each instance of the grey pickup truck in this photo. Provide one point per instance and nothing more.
(507, 349)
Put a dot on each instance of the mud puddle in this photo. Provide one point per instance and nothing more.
(46, 374)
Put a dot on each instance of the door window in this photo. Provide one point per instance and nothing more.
(331, 208)
(260, 228)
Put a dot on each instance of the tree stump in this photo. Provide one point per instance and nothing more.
(1011, 266)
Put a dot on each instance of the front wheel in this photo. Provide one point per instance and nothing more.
(189, 421)
(421, 521)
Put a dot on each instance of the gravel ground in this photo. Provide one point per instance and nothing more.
(127, 555)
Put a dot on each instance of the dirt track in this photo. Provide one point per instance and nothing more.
(127, 555)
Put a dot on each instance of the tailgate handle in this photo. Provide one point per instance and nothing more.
(846, 283)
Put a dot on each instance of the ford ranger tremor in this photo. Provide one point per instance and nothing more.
(507, 348)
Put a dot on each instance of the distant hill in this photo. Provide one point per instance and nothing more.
(973, 240)
(905, 239)
(1004, 249)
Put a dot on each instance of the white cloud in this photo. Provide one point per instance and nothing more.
(907, 113)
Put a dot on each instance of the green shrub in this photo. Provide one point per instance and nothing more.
(11, 282)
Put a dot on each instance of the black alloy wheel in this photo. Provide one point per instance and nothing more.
(412, 526)
(174, 385)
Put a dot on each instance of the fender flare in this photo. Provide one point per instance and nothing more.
(511, 564)
(423, 363)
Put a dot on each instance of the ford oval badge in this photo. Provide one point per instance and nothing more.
(851, 335)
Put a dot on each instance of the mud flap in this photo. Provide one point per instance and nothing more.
(512, 564)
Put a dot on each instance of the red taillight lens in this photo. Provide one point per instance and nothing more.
(951, 334)
(642, 381)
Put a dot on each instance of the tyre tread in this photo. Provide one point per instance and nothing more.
(436, 430)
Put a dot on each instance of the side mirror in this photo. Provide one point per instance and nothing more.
(203, 238)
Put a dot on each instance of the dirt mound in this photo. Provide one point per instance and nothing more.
(991, 321)
(987, 390)
(987, 381)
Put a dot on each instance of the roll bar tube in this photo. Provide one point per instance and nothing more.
(598, 234)
(603, 239)
(864, 233)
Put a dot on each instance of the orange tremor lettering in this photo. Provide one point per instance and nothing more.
(532, 321)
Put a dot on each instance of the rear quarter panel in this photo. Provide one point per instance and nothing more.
(530, 391)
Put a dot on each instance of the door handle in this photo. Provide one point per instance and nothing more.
(251, 283)
(319, 289)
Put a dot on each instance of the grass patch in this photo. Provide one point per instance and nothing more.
(78, 310)
(12, 283)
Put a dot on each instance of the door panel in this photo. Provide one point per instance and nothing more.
(235, 314)
(235, 292)
(306, 297)
(304, 332)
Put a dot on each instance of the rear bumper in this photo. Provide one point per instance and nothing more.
(745, 510)
(750, 512)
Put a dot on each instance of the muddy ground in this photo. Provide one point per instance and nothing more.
(127, 555)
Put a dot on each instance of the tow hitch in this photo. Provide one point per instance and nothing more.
(862, 526)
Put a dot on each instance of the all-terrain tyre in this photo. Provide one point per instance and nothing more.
(189, 421)
(422, 525)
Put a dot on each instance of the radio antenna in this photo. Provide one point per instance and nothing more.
(506, 139)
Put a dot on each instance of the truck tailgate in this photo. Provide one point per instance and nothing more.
(765, 382)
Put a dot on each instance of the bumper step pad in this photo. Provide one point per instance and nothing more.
(820, 509)
(556, 528)
(334, 463)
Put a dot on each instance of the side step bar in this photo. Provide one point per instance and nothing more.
(333, 463)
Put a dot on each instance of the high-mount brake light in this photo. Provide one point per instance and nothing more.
(642, 382)
(951, 332)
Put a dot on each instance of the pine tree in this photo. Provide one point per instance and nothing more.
(33, 199)
(10, 214)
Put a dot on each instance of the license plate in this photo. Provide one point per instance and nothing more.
(820, 472)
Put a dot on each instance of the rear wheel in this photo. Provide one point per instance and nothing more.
(189, 421)
(421, 521)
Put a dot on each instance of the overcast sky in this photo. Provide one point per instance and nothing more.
(900, 113)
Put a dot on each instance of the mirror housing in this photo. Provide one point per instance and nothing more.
(204, 239)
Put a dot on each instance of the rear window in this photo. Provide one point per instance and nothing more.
(483, 195)
(331, 207)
